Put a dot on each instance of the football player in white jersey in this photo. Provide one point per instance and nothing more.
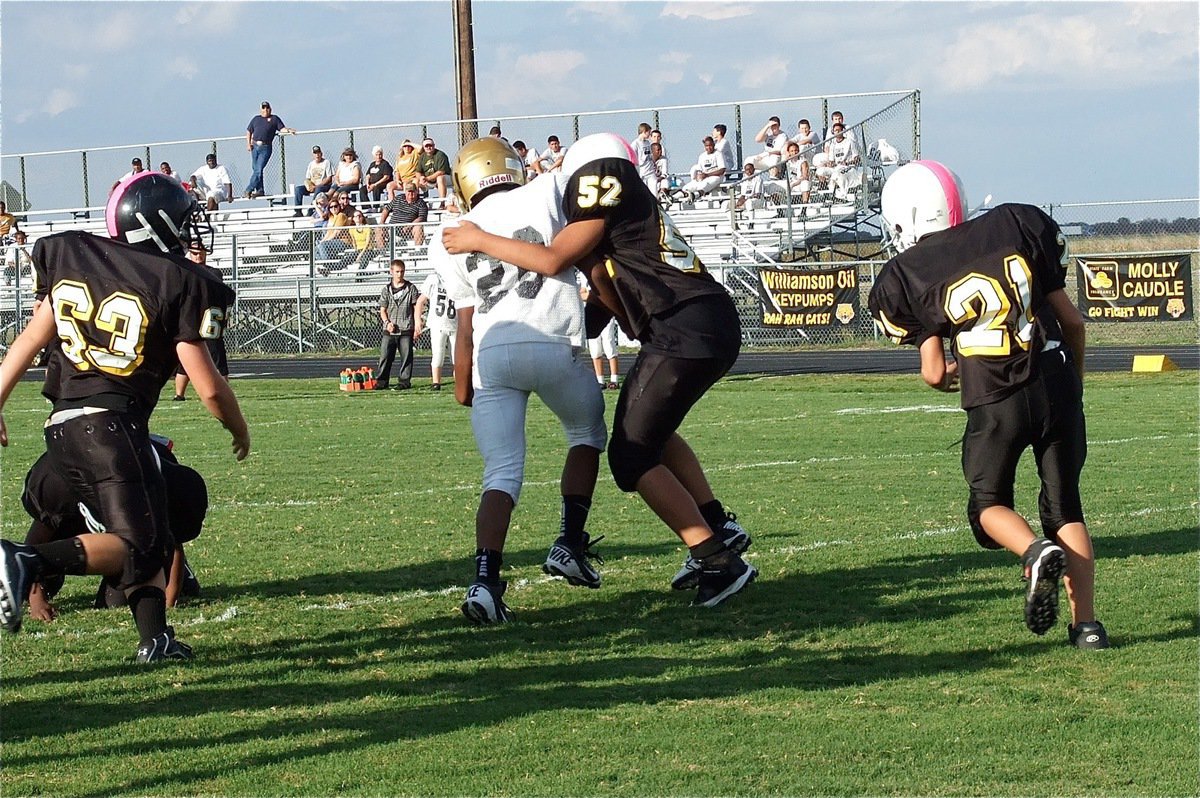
(441, 323)
(517, 335)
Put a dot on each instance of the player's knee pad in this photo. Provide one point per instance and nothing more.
(628, 461)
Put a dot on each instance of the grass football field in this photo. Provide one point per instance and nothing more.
(880, 652)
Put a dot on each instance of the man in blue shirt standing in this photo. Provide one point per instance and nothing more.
(260, 135)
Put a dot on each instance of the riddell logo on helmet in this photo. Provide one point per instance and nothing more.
(495, 180)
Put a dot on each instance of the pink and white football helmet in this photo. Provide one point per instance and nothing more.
(593, 148)
(919, 198)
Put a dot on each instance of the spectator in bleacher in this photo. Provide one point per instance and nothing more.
(407, 214)
(404, 170)
(656, 138)
(755, 191)
(8, 224)
(662, 172)
(212, 182)
(773, 140)
(336, 239)
(433, 168)
(708, 172)
(495, 133)
(135, 169)
(836, 118)
(318, 179)
(166, 169)
(724, 146)
(808, 140)
(530, 157)
(843, 169)
(260, 139)
(798, 176)
(347, 176)
(18, 263)
(379, 174)
(361, 242)
(644, 160)
(552, 157)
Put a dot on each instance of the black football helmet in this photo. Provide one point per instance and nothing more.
(152, 210)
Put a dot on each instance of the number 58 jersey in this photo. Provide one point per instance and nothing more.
(983, 285)
(119, 311)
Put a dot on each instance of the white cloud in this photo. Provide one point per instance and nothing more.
(770, 70)
(668, 72)
(1117, 46)
(57, 101)
(219, 17)
(184, 67)
(710, 12)
(611, 14)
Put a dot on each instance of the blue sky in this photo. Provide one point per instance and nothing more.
(1040, 102)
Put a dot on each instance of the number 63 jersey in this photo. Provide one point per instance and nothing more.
(119, 311)
(983, 285)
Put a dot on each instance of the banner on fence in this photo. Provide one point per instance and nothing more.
(818, 298)
(1136, 288)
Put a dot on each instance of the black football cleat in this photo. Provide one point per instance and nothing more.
(1046, 562)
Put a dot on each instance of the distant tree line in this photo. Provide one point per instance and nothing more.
(1146, 227)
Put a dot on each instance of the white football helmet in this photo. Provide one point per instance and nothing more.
(593, 148)
(920, 198)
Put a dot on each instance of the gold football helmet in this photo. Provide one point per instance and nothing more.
(484, 164)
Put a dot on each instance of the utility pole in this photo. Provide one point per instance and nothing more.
(464, 72)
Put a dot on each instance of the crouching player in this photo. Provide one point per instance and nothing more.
(120, 312)
(994, 287)
(58, 514)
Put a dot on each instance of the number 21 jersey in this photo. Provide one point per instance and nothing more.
(983, 285)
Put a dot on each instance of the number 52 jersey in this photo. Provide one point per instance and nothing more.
(119, 311)
(983, 285)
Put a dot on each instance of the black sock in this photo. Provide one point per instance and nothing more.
(62, 557)
(711, 553)
(714, 515)
(148, 604)
(574, 517)
(487, 565)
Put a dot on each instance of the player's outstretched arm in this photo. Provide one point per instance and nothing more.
(569, 246)
(214, 391)
(36, 335)
(1073, 328)
(937, 373)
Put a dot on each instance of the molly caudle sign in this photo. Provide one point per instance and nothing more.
(1136, 288)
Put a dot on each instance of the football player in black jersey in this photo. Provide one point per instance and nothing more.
(58, 514)
(994, 286)
(121, 312)
(642, 271)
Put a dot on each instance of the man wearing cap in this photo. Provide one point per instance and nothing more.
(135, 168)
(407, 212)
(433, 168)
(318, 177)
(212, 182)
(379, 174)
(260, 136)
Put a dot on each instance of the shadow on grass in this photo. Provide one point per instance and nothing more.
(770, 637)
